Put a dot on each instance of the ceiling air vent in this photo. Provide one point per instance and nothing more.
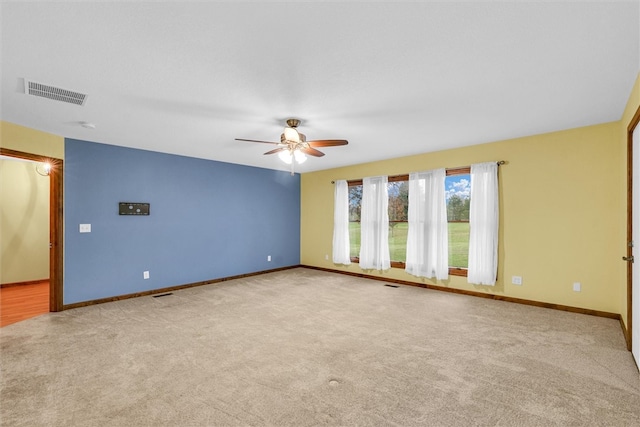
(55, 93)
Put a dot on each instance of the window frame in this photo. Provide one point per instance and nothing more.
(458, 271)
(465, 170)
(354, 183)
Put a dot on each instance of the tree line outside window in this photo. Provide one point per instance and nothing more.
(457, 188)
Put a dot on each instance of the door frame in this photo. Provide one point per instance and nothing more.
(56, 230)
(630, 129)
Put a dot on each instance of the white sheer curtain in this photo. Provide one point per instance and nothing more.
(341, 223)
(374, 224)
(428, 237)
(483, 224)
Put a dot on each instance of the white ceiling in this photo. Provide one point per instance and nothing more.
(394, 78)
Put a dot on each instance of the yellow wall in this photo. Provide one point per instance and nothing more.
(560, 211)
(632, 106)
(20, 138)
(24, 222)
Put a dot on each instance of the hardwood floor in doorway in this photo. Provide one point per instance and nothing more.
(23, 302)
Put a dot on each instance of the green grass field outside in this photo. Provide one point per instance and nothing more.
(458, 242)
(354, 239)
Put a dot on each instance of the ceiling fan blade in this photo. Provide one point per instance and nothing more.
(327, 142)
(254, 140)
(312, 152)
(277, 150)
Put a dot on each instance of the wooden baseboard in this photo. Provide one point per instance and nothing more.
(625, 332)
(171, 288)
(480, 294)
(29, 282)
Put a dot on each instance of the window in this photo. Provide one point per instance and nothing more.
(457, 188)
(355, 203)
(458, 192)
(398, 220)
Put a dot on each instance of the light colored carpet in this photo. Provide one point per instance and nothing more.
(302, 347)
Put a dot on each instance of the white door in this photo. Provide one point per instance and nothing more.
(635, 275)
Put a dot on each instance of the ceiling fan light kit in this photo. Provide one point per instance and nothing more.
(293, 145)
(288, 158)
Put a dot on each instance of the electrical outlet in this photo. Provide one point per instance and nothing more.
(326, 257)
(269, 258)
(145, 275)
(516, 280)
(577, 286)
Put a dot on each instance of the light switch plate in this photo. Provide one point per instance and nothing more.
(85, 228)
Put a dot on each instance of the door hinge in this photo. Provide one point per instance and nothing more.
(628, 258)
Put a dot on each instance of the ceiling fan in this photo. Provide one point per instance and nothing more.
(293, 145)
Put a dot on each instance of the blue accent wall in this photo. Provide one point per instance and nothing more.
(208, 220)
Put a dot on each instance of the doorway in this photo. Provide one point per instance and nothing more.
(633, 237)
(55, 222)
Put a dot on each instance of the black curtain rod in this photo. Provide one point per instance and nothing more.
(499, 163)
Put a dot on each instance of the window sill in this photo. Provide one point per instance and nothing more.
(453, 271)
(457, 271)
